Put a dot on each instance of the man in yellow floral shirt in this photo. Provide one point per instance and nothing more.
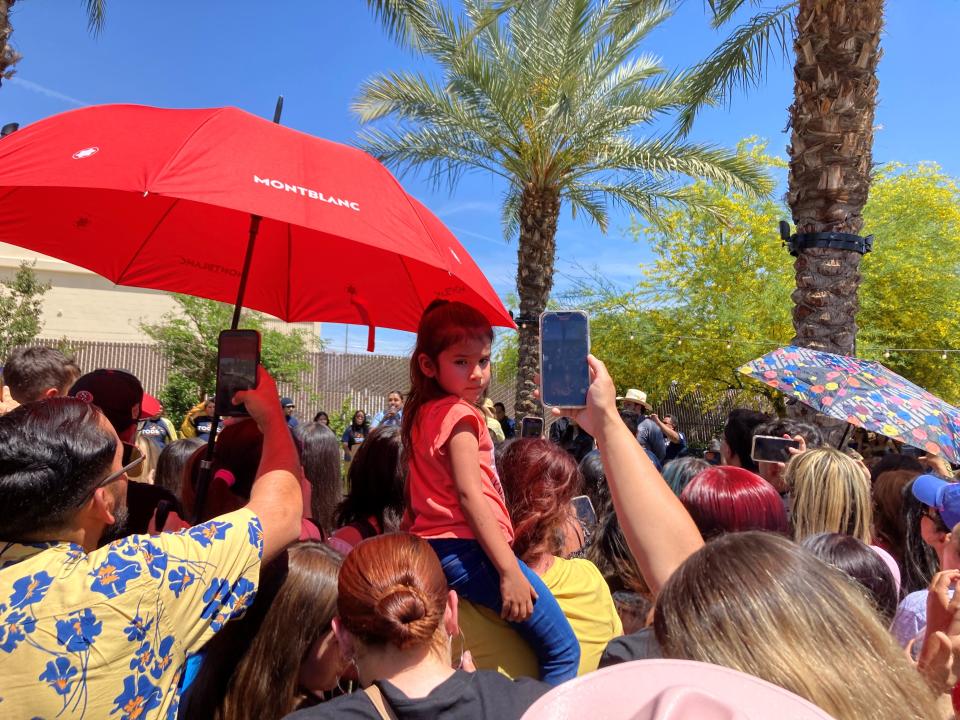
(88, 632)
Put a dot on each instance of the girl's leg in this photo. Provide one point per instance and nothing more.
(547, 630)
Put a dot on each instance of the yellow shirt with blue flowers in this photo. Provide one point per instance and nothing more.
(105, 634)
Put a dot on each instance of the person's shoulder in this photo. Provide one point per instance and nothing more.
(581, 568)
(356, 705)
(641, 645)
(519, 692)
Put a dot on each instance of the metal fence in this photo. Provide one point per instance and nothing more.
(363, 381)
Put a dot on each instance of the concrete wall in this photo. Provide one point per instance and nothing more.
(84, 306)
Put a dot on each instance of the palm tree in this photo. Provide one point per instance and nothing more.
(96, 15)
(548, 95)
(836, 48)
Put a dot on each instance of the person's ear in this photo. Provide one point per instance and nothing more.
(344, 639)
(426, 365)
(451, 617)
(51, 392)
(104, 506)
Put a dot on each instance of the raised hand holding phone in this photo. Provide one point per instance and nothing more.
(238, 356)
(564, 347)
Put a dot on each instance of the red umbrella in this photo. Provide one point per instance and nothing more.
(163, 199)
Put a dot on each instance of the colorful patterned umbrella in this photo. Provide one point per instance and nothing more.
(865, 394)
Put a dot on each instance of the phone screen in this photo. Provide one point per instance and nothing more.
(531, 426)
(564, 346)
(767, 448)
(585, 512)
(237, 361)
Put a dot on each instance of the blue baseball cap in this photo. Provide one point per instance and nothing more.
(941, 495)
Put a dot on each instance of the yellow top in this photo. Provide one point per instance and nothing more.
(105, 634)
(583, 596)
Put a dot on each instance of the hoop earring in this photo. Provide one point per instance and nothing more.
(349, 690)
(463, 649)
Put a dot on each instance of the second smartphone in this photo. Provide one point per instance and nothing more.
(238, 356)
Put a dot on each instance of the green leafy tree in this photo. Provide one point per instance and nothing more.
(187, 338)
(716, 295)
(550, 96)
(21, 302)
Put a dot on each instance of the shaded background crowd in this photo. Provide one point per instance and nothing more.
(829, 576)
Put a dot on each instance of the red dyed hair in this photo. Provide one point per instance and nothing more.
(391, 589)
(726, 499)
(539, 480)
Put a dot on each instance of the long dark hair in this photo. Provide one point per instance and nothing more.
(376, 478)
(443, 323)
(320, 457)
(252, 665)
(173, 459)
(920, 561)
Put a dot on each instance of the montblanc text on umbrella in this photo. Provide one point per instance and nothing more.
(306, 192)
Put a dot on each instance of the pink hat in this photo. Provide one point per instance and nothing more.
(671, 690)
(890, 563)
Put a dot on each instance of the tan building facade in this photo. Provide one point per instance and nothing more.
(82, 305)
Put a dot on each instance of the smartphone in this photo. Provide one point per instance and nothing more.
(531, 426)
(238, 356)
(564, 346)
(585, 512)
(767, 448)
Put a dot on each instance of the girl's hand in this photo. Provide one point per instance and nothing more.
(518, 596)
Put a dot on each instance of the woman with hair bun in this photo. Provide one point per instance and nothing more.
(396, 624)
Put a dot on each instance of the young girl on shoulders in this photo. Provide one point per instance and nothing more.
(455, 498)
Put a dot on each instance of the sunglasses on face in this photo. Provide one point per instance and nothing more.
(132, 462)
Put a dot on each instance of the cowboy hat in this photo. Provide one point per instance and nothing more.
(637, 396)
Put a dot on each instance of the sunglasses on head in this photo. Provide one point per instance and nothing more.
(132, 467)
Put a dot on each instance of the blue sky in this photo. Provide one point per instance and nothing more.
(204, 54)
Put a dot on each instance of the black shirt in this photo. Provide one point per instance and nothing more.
(641, 645)
(463, 696)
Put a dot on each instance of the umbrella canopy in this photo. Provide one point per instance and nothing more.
(163, 199)
(865, 394)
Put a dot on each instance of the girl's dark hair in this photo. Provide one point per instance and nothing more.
(392, 591)
(376, 478)
(251, 666)
(173, 460)
(321, 414)
(920, 561)
(539, 480)
(442, 324)
(867, 568)
(320, 457)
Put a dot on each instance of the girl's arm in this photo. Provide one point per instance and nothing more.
(516, 592)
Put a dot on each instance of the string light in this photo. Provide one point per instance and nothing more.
(886, 353)
(943, 356)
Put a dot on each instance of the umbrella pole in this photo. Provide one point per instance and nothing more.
(843, 440)
(203, 479)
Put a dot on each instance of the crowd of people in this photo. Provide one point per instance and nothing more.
(462, 571)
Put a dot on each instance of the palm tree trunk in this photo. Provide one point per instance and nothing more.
(835, 89)
(8, 56)
(536, 252)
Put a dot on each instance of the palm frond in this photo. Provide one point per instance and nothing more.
(424, 26)
(740, 61)
(593, 202)
(510, 212)
(723, 10)
(96, 15)
(445, 154)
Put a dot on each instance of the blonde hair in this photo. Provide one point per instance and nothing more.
(151, 454)
(759, 603)
(830, 494)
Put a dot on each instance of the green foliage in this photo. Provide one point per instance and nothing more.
(729, 283)
(340, 420)
(187, 338)
(178, 396)
(21, 301)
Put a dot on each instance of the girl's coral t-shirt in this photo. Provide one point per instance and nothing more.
(433, 495)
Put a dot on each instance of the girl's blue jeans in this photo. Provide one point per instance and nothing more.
(547, 630)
